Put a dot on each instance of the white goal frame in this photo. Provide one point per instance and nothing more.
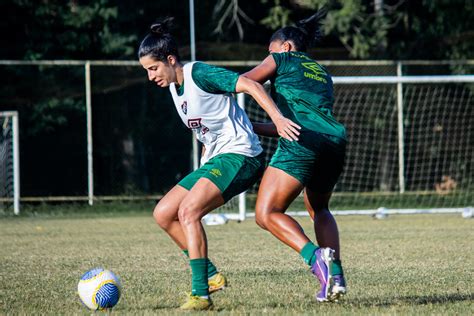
(16, 159)
(399, 80)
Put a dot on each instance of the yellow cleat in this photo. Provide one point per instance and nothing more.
(217, 282)
(197, 303)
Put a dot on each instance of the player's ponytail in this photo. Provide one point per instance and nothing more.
(159, 43)
(304, 34)
(312, 26)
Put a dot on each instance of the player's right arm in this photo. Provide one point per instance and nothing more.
(286, 128)
(264, 71)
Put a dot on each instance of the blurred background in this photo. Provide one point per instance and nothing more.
(140, 146)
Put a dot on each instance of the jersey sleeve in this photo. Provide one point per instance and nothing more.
(213, 79)
(280, 61)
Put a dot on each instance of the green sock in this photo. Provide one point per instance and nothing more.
(337, 268)
(199, 280)
(308, 253)
(211, 268)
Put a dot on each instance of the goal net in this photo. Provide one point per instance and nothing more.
(410, 144)
(9, 167)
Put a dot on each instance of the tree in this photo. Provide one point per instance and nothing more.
(361, 26)
(57, 30)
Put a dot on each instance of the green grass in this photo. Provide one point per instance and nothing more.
(406, 264)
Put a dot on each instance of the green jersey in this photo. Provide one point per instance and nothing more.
(303, 91)
(212, 79)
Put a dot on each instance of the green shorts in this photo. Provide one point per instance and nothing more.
(316, 160)
(231, 173)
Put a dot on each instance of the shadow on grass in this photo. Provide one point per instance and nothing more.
(411, 300)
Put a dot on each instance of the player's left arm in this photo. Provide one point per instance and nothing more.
(264, 71)
(286, 128)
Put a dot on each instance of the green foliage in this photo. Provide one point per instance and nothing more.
(362, 31)
(57, 29)
(444, 30)
(278, 16)
(51, 113)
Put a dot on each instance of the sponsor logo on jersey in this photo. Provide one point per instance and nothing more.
(194, 123)
(317, 72)
(184, 107)
(216, 172)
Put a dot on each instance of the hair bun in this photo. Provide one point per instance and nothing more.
(162, 27)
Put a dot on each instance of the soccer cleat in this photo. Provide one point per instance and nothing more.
(196, 303)
(217, 282)
(321, 268)
(338, 288)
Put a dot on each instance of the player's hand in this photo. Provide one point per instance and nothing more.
(287, 128)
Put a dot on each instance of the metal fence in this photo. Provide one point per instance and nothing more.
(96, 130)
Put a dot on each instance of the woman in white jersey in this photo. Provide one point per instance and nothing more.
(231, 161)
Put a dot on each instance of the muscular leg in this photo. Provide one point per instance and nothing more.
(277, 191)
(201, 199)
(166, 215)
(327, 235)
(325, 225)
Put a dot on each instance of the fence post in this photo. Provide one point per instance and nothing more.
(401, 132)
(242, 196)
(90, 169)
(16, 165)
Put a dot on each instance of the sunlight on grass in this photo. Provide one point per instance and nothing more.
(416, 264)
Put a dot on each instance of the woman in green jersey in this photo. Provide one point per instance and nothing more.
(231, 162)
(304, 93)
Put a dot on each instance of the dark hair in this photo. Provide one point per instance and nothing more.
(159, 43)
(304, 34)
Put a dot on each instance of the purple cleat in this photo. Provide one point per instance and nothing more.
(338, 288)
(321, 268)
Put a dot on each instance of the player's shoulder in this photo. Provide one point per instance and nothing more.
(291, 57)
(199, 70)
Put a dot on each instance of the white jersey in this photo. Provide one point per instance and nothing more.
(216, 119)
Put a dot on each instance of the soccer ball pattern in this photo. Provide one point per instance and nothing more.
(99, 289)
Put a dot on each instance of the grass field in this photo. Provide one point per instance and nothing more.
(406, 264)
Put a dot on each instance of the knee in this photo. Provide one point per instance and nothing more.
(322, 211)
(260, 223)
(187, 214)
(262, 217)
(322, 215)
(160, 219)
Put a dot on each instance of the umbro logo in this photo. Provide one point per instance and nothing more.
(216, 172)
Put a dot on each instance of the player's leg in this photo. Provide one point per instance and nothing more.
(325, 226)
(277, 190)
(227, 176)
(202, 198)
(318, 191)
(327, 235)
(166, 216)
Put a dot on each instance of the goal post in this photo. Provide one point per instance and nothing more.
(9, 162)
(410, 145)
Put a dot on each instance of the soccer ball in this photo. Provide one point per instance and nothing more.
(99, 289)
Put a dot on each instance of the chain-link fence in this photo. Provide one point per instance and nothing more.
(139, 146)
